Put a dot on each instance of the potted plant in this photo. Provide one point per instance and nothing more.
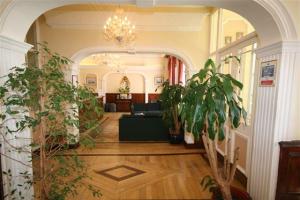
(170, 98)
(39, 98)
(124, 88)
(210, 101)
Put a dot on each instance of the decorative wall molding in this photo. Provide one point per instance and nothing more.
(270, 19)
(281, 17)
(276, 117)
(141, 68)
(78, 56)
(278, 48)
(14, 45)
(145, 3)
(12, 54)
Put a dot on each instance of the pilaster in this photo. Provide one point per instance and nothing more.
(12, 53)
(277, 109)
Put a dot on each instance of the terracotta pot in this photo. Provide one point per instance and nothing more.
(237, 194)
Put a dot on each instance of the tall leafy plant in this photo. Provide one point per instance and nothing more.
(211, 101)
(170, 99)
(39, 98)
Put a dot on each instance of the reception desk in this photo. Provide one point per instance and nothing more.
(123, 105)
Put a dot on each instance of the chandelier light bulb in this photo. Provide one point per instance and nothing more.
(119, 29)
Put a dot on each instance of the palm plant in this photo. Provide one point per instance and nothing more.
(170, 99)
(210, 101)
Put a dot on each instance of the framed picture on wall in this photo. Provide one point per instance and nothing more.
(158, 80)
(75, 80)
(91, 80)
(268, 73)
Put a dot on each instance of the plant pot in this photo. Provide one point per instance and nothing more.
(175, 138)
(237, 194)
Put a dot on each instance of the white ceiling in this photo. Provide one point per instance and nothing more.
(145, 20)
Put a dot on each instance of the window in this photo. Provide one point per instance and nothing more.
(226, 28)
(244, 72)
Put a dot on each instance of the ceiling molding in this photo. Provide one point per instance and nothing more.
(95, 20)
(145, 3)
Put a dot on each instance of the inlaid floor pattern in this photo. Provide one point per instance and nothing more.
(142, 170)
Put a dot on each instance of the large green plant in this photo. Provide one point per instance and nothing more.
(170, 98)
(210, 101)
(39, 98)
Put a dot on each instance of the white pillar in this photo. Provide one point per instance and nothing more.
(276, 117)
(12, 53)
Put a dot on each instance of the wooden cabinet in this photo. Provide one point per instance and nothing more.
(288, 182)
(123, 105)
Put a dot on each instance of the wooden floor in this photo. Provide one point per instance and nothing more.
(142, 170)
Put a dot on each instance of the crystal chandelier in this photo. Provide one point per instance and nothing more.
(110, 60)
(119, 29)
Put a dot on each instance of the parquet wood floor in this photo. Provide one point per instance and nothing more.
(169, 171)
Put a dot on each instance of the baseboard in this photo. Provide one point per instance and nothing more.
(240, 176)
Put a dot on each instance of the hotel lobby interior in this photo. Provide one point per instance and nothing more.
(149, 99)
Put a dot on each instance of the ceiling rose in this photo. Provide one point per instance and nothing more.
(119, 29)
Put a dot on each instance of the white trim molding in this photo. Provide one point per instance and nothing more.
(270, 18)
(14, 45)
(276, 118)
(79, 55)
(12, 53)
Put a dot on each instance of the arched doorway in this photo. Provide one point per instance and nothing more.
(78, 56)
(273, 25)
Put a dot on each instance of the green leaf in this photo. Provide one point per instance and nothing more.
(210, 65)
(228, 89)
(235, 82)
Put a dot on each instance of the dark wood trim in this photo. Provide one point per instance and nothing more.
(240, 176)
(123, 105)
(153, 97)
(135, 172)
(130, 154)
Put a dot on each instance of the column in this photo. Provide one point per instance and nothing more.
(277, 111)
(12, 53)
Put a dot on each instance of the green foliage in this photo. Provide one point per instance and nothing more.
(209, 183)
(170, 99)
(209, 100)
(40, 98)
(124, 90)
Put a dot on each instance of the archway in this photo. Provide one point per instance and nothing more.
(276, 25)
(78, 56)
(273, 25)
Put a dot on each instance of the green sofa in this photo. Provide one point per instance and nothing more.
(142, 128)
